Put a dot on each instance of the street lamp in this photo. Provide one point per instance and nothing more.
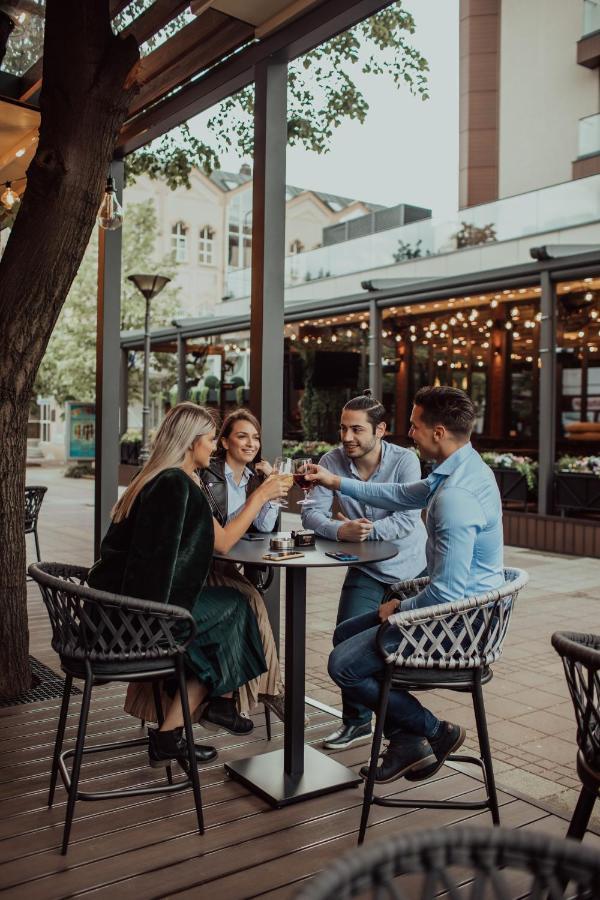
(149, 286)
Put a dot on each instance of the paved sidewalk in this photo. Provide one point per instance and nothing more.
(530, 715)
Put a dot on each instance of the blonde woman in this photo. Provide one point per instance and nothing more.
(159, 547)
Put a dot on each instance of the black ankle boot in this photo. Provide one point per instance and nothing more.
(165, 747)
(222, 713)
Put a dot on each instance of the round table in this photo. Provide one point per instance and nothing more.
(297, 772)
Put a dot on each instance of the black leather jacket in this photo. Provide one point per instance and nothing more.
(215, 483)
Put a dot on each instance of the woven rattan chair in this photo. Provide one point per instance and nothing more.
(495, 863)
(581, 659)
(34, 495)
(450, 646)
(100, 638)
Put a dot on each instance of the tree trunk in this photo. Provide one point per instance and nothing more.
(86, 91)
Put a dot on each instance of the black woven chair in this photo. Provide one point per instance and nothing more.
(34, 494)
(100, 638)
(461, 862)
(449, 647)
(580, 654)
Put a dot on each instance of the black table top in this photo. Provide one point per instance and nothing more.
(252, 552)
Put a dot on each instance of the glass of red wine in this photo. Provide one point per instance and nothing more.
(300, 469)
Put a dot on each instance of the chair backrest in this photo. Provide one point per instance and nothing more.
(464, 634)
(442, 862)
(580, 654)
(100, 627)
(34, 494)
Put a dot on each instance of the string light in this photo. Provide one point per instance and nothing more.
(110, 214)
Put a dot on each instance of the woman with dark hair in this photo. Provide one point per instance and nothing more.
(235, 473)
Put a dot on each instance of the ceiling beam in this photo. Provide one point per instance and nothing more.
(303, 34)
(195, 47)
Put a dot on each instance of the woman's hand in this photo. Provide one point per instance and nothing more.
(388, 609)
(319, 475)
(273, 488)
(264, 468)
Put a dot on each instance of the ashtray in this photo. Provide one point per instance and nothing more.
(304, 538)
(282, 542)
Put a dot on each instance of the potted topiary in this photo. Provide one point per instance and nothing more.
(131, 444)
(516, 476)
(577, 484)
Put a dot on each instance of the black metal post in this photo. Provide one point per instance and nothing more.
(181, 350)
(547, 405)
(375, 380)
(107, 368)
(295, 635)
(124, 392)
(145, 451)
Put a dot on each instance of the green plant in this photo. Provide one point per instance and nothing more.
(522, 464)
(301, 449)
(131, 436)
(583, 465)
(471, 236)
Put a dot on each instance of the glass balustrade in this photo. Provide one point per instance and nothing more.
(589, 135)
(591, 16)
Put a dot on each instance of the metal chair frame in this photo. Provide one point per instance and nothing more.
(556, 868)
(450, 646)
(34, 495)
(100, 638)
(580, 654)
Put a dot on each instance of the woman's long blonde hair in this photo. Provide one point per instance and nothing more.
(176, 434)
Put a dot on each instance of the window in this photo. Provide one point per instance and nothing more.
(205, 246)
(239, 231)
(179, 242)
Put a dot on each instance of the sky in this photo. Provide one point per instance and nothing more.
(407, 149)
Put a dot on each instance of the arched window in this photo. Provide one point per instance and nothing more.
(179, 242)
(206, 239)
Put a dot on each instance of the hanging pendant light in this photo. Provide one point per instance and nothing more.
(9, 197)
(110, 214)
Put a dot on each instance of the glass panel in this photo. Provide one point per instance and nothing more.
(589, 135)
(591, 16)
(26, 43)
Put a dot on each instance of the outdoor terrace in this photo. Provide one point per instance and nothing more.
(149, 848)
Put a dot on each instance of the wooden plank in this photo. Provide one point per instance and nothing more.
(195, 47)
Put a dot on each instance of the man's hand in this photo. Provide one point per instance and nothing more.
(354, 530)
(388, 609)
(320, 475)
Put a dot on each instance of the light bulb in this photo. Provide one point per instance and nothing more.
(9, 198)
(110, 214)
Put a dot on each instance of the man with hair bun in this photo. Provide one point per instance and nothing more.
(464, 558)
(365, 457)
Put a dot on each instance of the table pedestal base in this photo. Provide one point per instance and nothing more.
(264, 775)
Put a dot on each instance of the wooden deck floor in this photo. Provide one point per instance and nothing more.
(147, 847)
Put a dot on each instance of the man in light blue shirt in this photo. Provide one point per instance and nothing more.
(366, 458)
(464, 557)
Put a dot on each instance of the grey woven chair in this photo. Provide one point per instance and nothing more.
(451, 647)
(495, 863)
(580, 654)
(100, 638)
(34, 494)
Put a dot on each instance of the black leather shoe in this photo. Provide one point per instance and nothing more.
(165, 747)
(348, 736)
(222, 713)
(410, 754)
(449, 739)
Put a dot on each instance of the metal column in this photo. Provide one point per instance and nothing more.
(124, 392)
(108, 358)
(375, 380)
(547, 420)
(181, 350)
(268, 252)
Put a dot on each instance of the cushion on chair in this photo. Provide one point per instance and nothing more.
(116, 670)
(409, 678)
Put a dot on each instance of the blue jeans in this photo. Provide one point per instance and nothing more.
(357, 667)
(361, 593)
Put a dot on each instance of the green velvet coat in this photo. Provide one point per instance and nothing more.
(162, 551)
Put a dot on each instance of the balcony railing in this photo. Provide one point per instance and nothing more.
(550, 209)
(591, 16)
(589, 135)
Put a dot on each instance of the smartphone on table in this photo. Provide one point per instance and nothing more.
(343, 557)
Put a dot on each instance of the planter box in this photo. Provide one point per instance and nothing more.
(130, 453)
(576, 492)
(512, 486)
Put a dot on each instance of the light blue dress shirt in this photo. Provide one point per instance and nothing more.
(236, 498)
(404, 529)
(465, 542)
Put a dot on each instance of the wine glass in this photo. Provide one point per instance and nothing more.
(284, 468)
(300, 466)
